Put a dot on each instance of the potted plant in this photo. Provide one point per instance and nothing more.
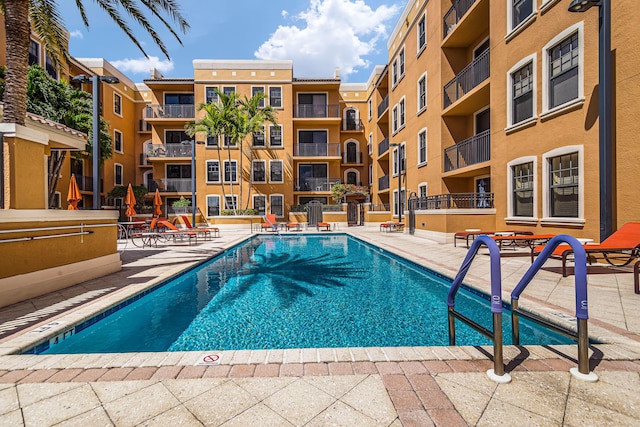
(180, 205)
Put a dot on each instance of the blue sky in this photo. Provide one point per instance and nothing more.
(318, 35)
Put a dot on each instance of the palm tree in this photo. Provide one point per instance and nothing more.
(47, 23)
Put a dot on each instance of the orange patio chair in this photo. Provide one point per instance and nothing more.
(206, 231)
(270, 223)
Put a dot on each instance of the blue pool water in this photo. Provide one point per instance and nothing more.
(293, 292)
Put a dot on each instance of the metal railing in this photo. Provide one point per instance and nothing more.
(471, 151)
(144, 126)
(471, 76)
(455, 14)
(383, 183)
(383, 146)
(169, 150)
(379, 207)
(352, 124)
(169, 111)
(315, 184)
(306, 111)
(174, 185)
(352, 157)
(317, 150)
(384, 104)
(456, 201)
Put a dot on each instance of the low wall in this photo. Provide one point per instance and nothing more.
(43, 251)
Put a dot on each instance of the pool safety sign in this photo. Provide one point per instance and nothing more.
(208, 360)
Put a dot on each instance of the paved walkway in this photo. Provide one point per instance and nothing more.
(418, 386)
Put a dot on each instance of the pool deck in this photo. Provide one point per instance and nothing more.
(404, 386)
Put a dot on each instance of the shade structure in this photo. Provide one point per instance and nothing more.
(130, 201)
(73, 196)
(157, 202)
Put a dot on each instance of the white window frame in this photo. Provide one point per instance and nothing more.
(281, 97)
(403, 159)
(264, 163)
(512, 30)
(234, 199)
(517, 66)
(117, 166)
(370, 143)
(271, 162)
(235, 89)
(213, 196)
(357, 172)
(262, 102)
(219, 180)
(395, 201)
(423, 19)
(217, 98)
(422, 162)
(117, 132)
(253, 202)
(394, 119)
(116, 95)
(547, 219)
(510, 165)
(370, 109)
(402, 113)
(271, 127)
(421, 108)
(264, 138)
(370, 174)
(549, 112)
(271, 204)
(39, 50)
(426, 189)
(224, 171)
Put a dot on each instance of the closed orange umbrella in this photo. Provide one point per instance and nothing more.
(130, 201)
(73, 196)
(157, 202)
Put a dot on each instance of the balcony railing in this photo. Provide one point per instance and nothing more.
(316, 150)
(352, 157)
(380, 207)
(471, 76)
(456, 201)
(169, 150)
(144, 126)
(173, 185)
(384, 104)
(383, 146)
(351, 124)
(169, 111)
(455, 14)
(85, 183)
(471, 151)
(383, 183)
(315, 184)
(306, 111)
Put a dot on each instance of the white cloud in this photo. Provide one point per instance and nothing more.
(335, 33)
(142, 65)
(76, 34)
(284, 13)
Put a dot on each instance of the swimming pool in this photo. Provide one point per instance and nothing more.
(296, 291)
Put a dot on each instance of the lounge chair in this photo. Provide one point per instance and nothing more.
(325, 225)
(392, 226)
(295, 226)
(471, 235)
(270, 223)
(619, 249)
(519, 240)
(206, 231)
(174, 232)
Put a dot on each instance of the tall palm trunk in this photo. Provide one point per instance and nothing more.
(224, 193)
(16, 26)
(56, 159)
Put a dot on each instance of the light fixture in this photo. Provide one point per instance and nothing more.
(582, 5)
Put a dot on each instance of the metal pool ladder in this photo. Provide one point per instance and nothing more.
(580, 273)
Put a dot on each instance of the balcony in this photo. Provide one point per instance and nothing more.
(317, 150)
(470, 77)
(169, 111)
(144, 126)
(456, 201)
(471, 151)
(352, 125)
(455, 14)
(169, 150)
(315, 184)
(383, 146)
(354, 157)
(310, 111)
(383, 183)
(383, 106)
(172, 185)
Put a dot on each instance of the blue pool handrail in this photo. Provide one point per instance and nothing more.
(582, 305)
(497, 373)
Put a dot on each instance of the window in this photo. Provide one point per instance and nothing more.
(231, 202)
(275, 135)
(259, 171)
(260, 204)
(564, 186)
(395, 202)
(34, 53)
(422, 92)
(370, 109)
(210, 94)
(228, 142)
(50, 67)
(117, 141)
(258, 138)
(563, 70)
(403, 158)
(179, 171)
(370, 175)
(117, 174)
(256, 90)
(394, 73)
(398, 68)
(520, 11)
(312, 105)
(370, 144)
(521, 83)
(212, 141)
(176, 137)
(394, 119)
(230, 171)
(57, 198)
(275, 96)
(422, 33)
(117, 104)
(422, 147)
(401, 116)
(276, 203)
(213, 205)
(422, 190)
(213, 171)
(178, 98)
(275, 171)
(522, 186)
